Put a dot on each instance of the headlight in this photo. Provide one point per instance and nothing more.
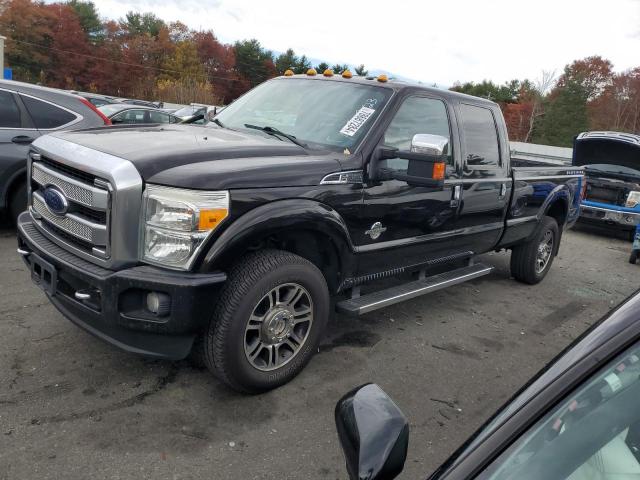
(178, 221)
(633, 199)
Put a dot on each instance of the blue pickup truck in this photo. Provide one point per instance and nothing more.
(612, 166)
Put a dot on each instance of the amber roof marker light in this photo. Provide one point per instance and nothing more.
(328, 73)
(311, 72)
(347, 74)
(382, 78)
(288, 73)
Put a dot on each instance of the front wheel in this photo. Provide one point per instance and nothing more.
(268, 322)
(531, 261)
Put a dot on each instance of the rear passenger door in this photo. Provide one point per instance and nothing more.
(486, 185)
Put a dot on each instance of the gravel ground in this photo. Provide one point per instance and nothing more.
(74, 407)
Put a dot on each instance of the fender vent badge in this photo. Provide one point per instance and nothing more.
(376, 230)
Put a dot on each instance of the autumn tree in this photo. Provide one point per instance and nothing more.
(70, 50)
(29, 30)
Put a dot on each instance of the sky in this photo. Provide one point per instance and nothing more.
(433, 42)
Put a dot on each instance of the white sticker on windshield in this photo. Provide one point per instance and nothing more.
(614, 382)
(353, 125)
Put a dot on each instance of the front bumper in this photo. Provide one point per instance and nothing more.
(618, 218)
(115, 309)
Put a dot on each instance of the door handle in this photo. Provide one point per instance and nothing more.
(22, 139)
(503, 189)
(457, 193)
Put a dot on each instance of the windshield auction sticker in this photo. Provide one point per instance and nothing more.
(356, 122)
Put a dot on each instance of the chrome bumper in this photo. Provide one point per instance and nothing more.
(624, 219)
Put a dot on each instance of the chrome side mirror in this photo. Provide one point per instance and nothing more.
(429, 144)
(373, 432)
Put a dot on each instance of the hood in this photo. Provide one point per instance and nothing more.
(208, 157)
(611, 148)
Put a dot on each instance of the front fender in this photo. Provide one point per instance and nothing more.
(273, 218)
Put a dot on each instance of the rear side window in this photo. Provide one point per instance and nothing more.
(46, 115)
(480, 137)
(159, 117)
(9, 111)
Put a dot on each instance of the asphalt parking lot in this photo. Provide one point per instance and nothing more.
(74, 407)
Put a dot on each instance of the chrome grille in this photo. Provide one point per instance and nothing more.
(74, 190)
(85, 222)
(103, 192)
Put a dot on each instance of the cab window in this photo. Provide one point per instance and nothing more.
(594, 434)
(9, 111)
(480, 137)
(46, 115)
(416, 115)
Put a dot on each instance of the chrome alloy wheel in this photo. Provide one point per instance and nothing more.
(278, 327)
(545, 250)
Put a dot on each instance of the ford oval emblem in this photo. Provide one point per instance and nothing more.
(55, 200)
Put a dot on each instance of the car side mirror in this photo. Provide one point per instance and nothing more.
(435, 145)
(373, 432)
(426, 161)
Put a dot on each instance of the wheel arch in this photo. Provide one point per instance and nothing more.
(556, 205)
(308, 228)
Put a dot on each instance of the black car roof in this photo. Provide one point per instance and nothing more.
(395, 85)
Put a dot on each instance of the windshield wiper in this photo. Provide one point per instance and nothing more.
(218, 122)
(276, 132)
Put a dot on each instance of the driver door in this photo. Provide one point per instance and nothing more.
(404, 224)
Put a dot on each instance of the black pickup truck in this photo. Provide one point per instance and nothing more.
(233, 242)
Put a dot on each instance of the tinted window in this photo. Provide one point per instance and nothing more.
(480, 136)
(158, 117)
(415, 116)
(45, 115)
(131, 116)
(9, 111)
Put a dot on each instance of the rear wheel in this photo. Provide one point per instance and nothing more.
(531, 261)
(268, 321)
(634, 256)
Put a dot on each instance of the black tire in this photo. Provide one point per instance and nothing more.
(525, 265)
(17, 201)
(250, 282)
(633, 258)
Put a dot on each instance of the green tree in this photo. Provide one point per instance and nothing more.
(142, 24)
(338, 69)
(361, 71)
(89, 18)
(285, 61)
(321, 67)
(253, 62)
(303, 65)
(565, 115)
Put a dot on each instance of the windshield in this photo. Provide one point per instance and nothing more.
(317, 113)
(188, 111)
(608, 168)
(110, 109)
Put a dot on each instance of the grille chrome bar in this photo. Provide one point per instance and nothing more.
(73, 189)
(72, 224)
